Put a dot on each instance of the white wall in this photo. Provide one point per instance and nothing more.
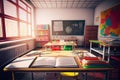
(44, 16)
(103, 6)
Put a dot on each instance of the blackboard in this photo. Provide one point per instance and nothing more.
(68, 27)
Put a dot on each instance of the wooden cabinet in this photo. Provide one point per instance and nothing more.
(91, 33)
(42, 34)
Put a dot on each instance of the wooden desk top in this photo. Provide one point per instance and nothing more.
(104, 43)
(80, 69)
(60, 43)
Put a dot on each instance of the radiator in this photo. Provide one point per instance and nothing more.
(7, 54)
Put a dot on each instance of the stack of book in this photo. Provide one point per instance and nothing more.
(94, 62)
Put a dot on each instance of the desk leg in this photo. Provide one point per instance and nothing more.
(85, 76)
(103, 53)
(108, 53)
(90, 46)
(32, 75)
(13, 76)
(106, 75)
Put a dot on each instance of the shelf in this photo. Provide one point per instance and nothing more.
(105, 50)
(42, 34)
(98, 50)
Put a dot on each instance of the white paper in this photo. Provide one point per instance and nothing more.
(44, 62)
(22, 62)
(66, 62)
(58, 26)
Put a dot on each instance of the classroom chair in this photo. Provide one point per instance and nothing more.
(74, 75)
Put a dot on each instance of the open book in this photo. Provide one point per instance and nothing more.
(21, 62)
(68, 62)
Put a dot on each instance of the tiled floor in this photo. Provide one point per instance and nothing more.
(52, 76)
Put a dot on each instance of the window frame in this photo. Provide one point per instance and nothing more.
(4, 16)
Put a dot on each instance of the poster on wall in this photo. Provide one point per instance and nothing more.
(110, 22)
(58, 26)
(68, 27)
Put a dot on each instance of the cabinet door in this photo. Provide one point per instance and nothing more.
(91, 33)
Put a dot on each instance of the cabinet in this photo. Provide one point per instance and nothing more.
(42, 34)
(91, 32)
(106, 49)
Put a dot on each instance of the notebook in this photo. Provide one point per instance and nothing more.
(55, 62)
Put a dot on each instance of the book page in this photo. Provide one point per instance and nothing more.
(21, 62)
(66, 62)
(44, 62)
(58, 26)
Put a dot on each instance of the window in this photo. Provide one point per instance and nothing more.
(10, 9)
(11, 26)
(29, 29)
(14, 1)
(23, 29)
(22, 14)
(22, 4)
(15, 19)
(29, 9)
(29, 18)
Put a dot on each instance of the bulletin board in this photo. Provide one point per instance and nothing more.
(68, 27)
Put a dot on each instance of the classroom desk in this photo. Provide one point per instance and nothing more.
(79, 69)
(61, 44)
(104, 48)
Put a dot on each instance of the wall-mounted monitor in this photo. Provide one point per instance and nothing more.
(68, 27)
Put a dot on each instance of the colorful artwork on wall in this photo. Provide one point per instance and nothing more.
(110, 22)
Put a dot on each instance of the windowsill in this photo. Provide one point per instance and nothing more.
(14, 40)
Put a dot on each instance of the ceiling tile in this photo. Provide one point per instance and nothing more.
(70, 0)
(90, 0)
(77, 0)
(37, 4)
(82, 0)
(59, 0)
(69, 4)
(59, 4)
(40, 0)
(43, 4)
(80, 4)
(75, 4)
(53, 0)
(54, 4)
(48, 4)
(65, 3)
(47, 0)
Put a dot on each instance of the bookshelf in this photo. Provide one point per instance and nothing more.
(42, 34)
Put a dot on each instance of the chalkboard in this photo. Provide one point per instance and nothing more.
(68, 27)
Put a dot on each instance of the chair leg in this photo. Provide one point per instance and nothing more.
(75, 78)
(60, 77)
